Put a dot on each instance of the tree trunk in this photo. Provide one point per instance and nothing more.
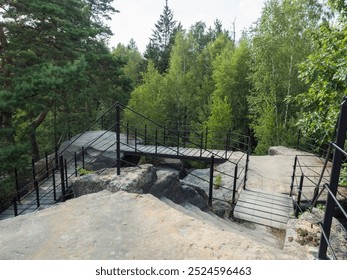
(32, 135)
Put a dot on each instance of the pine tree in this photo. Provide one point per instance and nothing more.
(160, 45)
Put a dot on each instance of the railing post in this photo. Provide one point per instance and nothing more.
(17, 184)
(135, 140)
(145, 134)
(201, 143)
(15, 206)
(54, 186)
(293, 176)
(33, 167)
(66, 175)
(62, 177)
(156, 141)
(76, 172)
(118, 138)
(127, 128)
(298, 201)
(210, 194)
(178, 142)
(334, 179)
(36, 184)
(235, 182)
(247, 163)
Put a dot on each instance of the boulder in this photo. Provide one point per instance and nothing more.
(142, 179)
(168, 185)
(132, 180)
(223, 193)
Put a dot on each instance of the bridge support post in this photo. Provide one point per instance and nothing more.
(210, 194)
(118, 138)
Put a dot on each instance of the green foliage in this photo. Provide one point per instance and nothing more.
(281, 40)
(343, 176)
(159, 48)
(218, 122)
(82, 171)
(325, 73)
(218, 181)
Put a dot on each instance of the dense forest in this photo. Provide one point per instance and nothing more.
(287, 72)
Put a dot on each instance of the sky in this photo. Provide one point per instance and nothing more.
(137, 18)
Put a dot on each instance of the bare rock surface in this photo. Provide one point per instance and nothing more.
(123, 225)
(122, 222)
(304, 234)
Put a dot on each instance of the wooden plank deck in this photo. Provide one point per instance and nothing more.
(269, 209)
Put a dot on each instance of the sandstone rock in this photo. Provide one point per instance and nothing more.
(167, 185)
(142, 179)
(304, 234)
(132, 179)
(284, 151)
(125, 226)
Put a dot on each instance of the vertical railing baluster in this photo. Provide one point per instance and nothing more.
(201, 143)
(210, 194)
(33, 167)
(66, 175)
(293, 176)
(156, 141)
(127, 129)
(235, 183)
(118, 138)
(297, 208)
(178, 142)
(36, 184)
(54, 185)
(17, 184)
(76, 171)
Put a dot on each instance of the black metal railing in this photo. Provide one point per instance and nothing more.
(310, 181)
(51, 182)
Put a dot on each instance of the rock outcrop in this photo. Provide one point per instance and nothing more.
(304, 234)
(126, 226)
(142, 179)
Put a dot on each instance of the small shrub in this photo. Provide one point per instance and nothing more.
(218, 181)
(83, 171)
